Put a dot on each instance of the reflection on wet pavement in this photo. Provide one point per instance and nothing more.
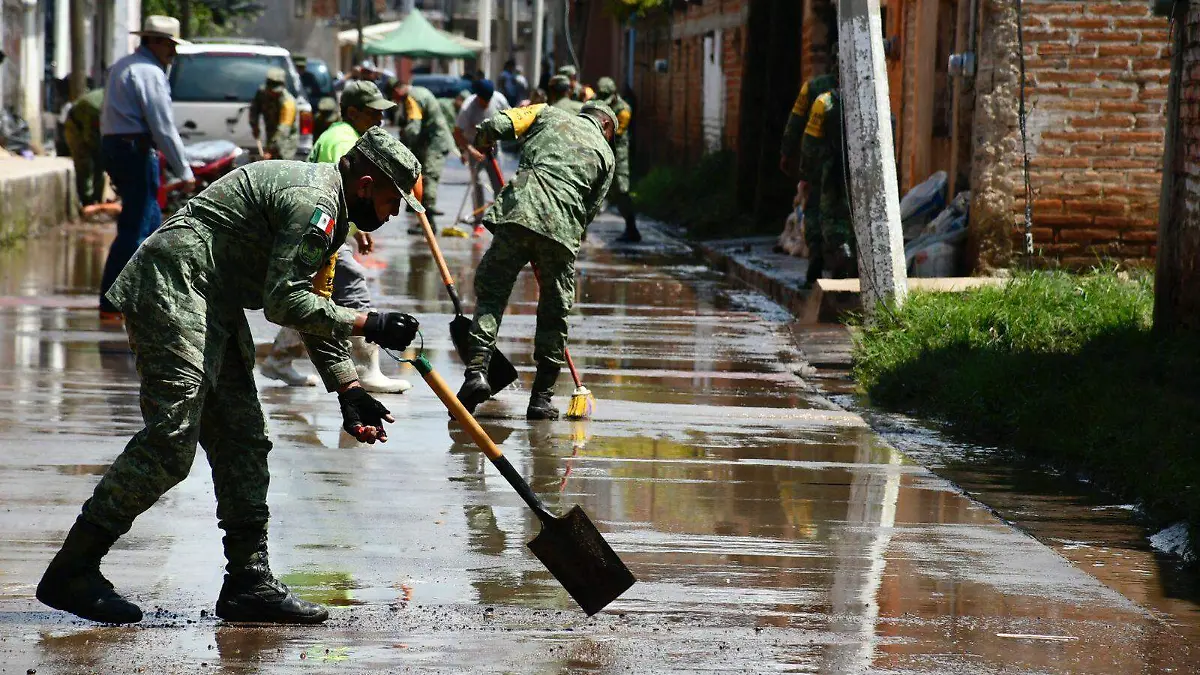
(769, 530)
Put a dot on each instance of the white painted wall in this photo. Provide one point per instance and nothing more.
(713, 117)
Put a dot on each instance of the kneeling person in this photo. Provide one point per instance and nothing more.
(540, 217)
(260, 237)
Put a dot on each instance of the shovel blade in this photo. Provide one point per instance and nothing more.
(501, 372)
(576, 554)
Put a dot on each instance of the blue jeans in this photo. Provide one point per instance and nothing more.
(132, 165)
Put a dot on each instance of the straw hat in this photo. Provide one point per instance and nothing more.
(160, 26)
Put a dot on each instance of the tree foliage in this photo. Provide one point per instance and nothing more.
(210, 18)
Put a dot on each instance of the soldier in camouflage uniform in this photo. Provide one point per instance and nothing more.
(263, 236)
(823, 166)
(327, 115)
(82, 132)
(578, 91)
(423, 128)
(606, 91)
(789, 158)
(540, 217)
(277, 108)
(559, 95)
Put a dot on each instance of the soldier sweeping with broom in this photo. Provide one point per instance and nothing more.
(539, 217)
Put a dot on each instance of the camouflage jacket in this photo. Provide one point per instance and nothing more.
(565, 171)
(83, 121)
(821, 149)
(624, 113)
(422, 125)
(269, 232)
(568, 105)
(793, 133)
(277, 109)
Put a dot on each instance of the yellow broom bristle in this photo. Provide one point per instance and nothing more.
(582, 404)
(454, 232)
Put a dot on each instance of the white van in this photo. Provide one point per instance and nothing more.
(212, 85)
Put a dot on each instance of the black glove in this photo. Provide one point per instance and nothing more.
(390, 330)
(363, 416)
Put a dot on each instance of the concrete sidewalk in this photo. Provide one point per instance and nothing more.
(35, 193)
(754, 262)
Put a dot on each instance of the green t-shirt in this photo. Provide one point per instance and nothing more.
(337, 140)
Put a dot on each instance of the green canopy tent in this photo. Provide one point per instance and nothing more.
(417, 38)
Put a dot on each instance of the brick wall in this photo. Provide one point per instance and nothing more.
(1097, 75)
(669, 110)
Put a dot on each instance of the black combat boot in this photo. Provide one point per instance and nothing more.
(540, 407)
(474, 390)
(73, 582)
(631, 234)
(252, 594)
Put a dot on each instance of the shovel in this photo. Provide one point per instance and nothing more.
(570, 546)
(501, 372)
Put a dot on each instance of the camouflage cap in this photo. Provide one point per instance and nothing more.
(559, 84)
(364, 94)
(606, 87)
(597, 107)
(327, 104)
(300, 60)
(276, 76)
(568, 71)
(394, 160)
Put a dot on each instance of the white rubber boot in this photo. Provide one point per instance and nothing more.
(283, 370)
(366, 362)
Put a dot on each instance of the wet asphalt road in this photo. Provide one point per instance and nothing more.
(770, 531)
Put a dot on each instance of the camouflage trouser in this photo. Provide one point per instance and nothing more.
(283, 145)
(182, 405)
(89, 167)
(512, 248)
(432, 162)
(837, 228)
(618, 194)
(812, 232)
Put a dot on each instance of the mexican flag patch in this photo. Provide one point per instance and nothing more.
(323, 221)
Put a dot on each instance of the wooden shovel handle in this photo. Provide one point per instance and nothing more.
(439, 387)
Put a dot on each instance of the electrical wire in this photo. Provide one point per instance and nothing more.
(1022, 115)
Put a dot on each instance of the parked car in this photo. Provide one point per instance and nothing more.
(321, 78)
(212, 85)
(442, 86)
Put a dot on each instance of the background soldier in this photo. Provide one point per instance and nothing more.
(275, 105)
(326, 115)
(363, 107)
(559, 95)
(82, 132)
(606, 91)
(789, 160)
(424, 130)
(260, 237)
(539, 217)
(823, 166)
(578, 91)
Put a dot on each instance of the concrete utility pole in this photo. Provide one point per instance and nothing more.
(485, 36)
(78, 49)
(871, 158)
(539, 29)
(32, 71)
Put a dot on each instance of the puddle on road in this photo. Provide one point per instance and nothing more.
(768, 531)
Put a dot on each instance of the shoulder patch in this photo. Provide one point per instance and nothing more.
(522, 118)
(816, 118)
(322, 222)
(312, 248)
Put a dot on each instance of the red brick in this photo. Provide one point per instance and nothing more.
(1134, 8)
(1060, 162)
(1139, 235)
(1125, 164)
(1125, 107)
(1097, 207)
(1105, 93)
(1150, 22)
(1127, 50)
(1103, 122)
(1066, 220)
(1072, 76)
(1074, 136)
(1090, 23)
(1126, 36)
(1133, 137)
(1100, 63)
(1087, 234)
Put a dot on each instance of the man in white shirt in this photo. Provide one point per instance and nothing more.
(484, 102)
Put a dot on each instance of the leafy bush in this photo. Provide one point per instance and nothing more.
(701, 198)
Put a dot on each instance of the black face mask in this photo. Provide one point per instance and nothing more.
(362, 213)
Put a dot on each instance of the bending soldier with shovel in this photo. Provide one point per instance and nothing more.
(263, 236)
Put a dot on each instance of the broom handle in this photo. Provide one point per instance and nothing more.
(566, 351)
(431, 239)
(485, 443)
